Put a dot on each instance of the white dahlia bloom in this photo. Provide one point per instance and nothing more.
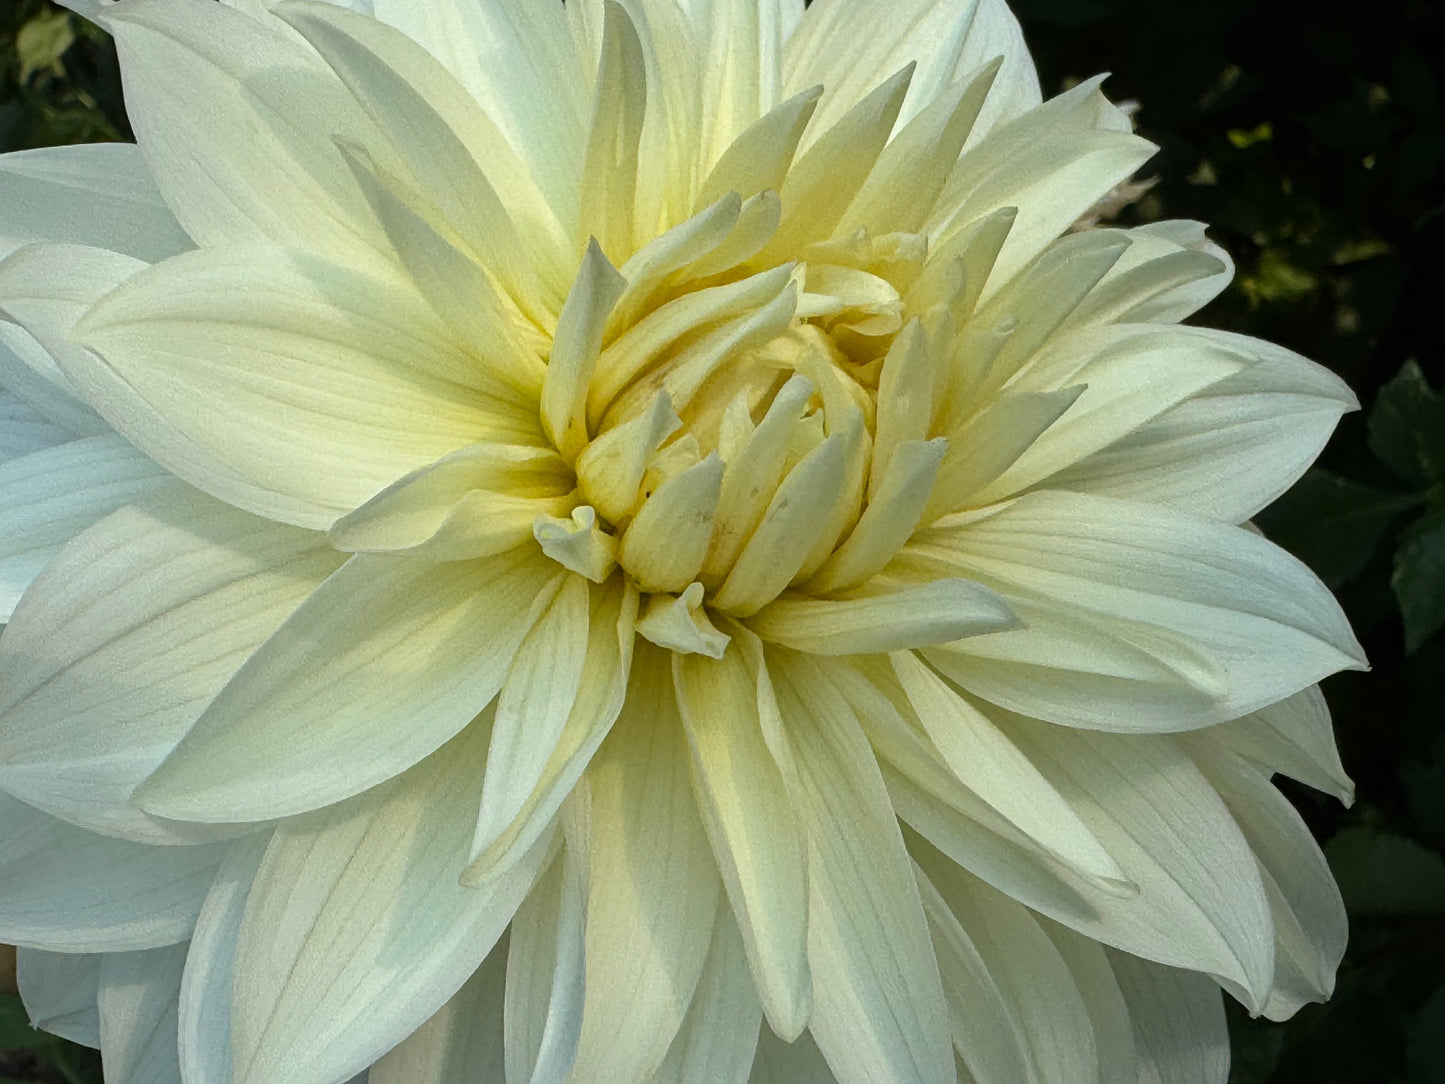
(622, 542)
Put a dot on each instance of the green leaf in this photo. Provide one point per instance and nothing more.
(1332, 523)
(15, 1030)
(1386, 875)
(1407, 427)
(1419, 578)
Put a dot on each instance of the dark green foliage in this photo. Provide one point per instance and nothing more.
(1313, 142)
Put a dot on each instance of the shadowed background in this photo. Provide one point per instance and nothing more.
(1315, 148)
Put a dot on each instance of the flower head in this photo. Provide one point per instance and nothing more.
(629, 541)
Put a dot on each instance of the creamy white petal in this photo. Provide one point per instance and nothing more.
(892, 618)
(97, 194)
(124, 640)
(653, 886)
(747, 810)
(59, 992)
(535, 702)
(879, 1011)
(462, 1041)
(259, 165)
(843, 45)
(1052, 163)
(520, 63)
(48, 288)
(986, 1035)
(315, 381)
(204, 1014)
(719, 1035)
(1230, 448)
(600, 697)
(1309, 916)
(1103, 1000)
(386, 661)
(136, 998)
(1031, 976)
(74, 891)
(1264, 621)
(48, 497)
(1179, 1029)
(356, 930)
(1294, 737)
(546, 969)
(1201, 903)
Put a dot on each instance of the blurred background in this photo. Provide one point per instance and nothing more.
(1313, 142)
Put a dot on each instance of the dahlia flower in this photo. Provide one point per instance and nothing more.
(631, 541)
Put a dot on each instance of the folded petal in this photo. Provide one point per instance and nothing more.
(356, 930)
(124, 640)
(419, 650)
(1294, 737)
(52, 869)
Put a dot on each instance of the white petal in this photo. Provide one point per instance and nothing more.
(318, 383)
(879, 1011)
(1103, 1000)
(844, 46)
(747, 810)
(75, 891)
(1129, 570)
(1179, 1029)
(985, 760)
(1031, 976)
(1309, 916)
(386, 661)
(600, 697)
(59, 991)
(204, 1018)
(519, 61)
(236, 121)
(1052, 164)
(1294, 737)
(719, 1035)
(911, 615)
(97, 194)
(126, 638)
(48, 288)
(986, 1032)
(48, 497)
(137, 1002)
(545, 976)
(356, 930)
(462, 1042)
(1200, 902)
(653, 889)
(536, 700)
(1229, 449)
